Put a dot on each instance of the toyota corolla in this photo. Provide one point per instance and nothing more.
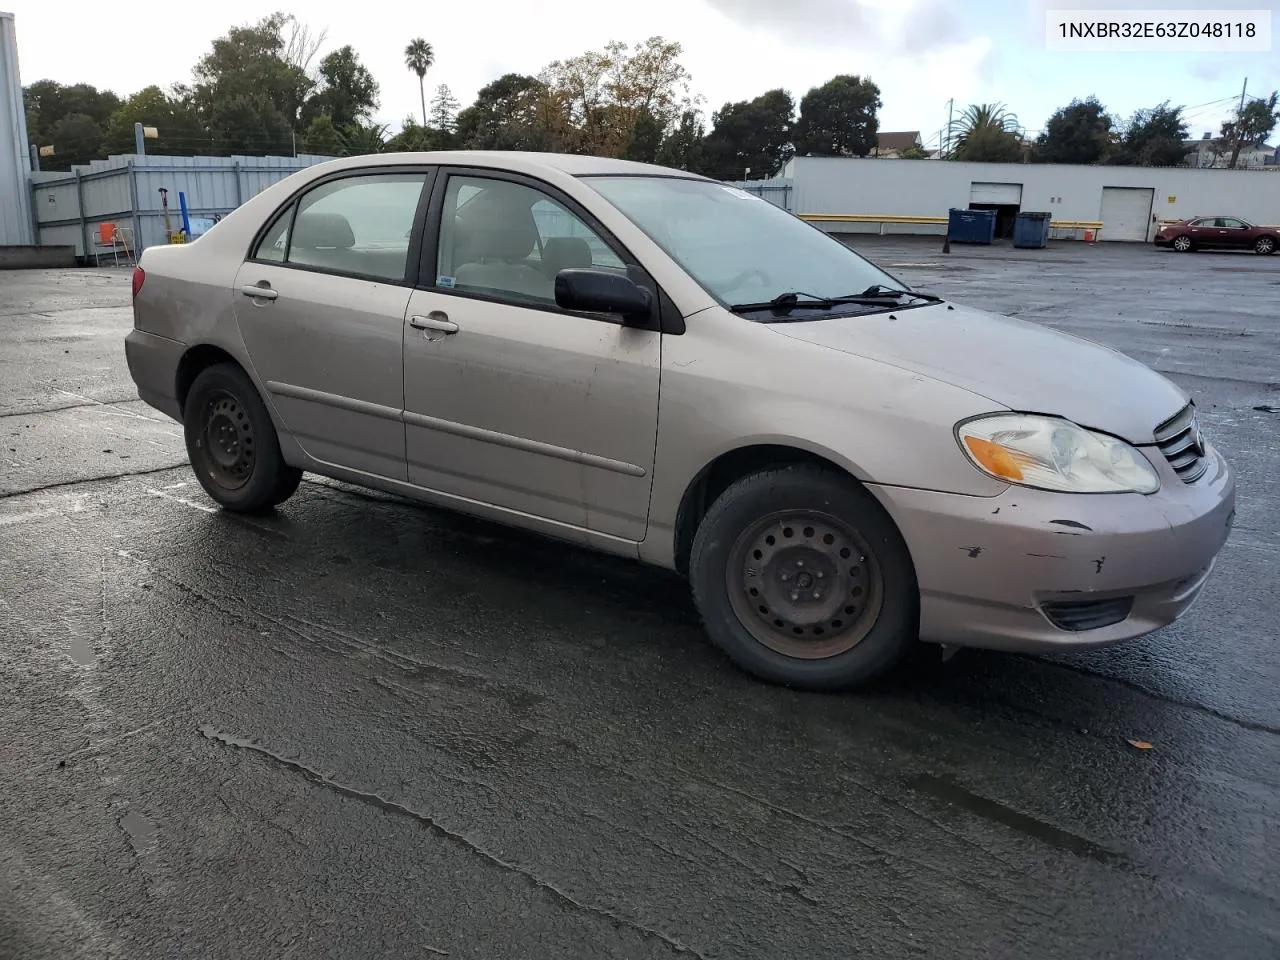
(660, 366)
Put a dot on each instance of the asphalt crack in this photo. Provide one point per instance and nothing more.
(75, 483)
(386, 805)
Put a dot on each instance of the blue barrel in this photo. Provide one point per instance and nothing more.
(971, 226)
(1031, 229)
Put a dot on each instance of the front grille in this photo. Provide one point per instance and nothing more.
(1182, 444)
(1079, 615)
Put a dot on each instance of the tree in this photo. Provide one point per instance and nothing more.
(1077, 133)
(606, 94)
(414, 137)
(1251, 125)
(48, 104)
(989, 144)
(444, 110)
(419, 57)
(348, 93)
(513, 112)
(682, 148)
(990, 126)
(322, 138)
(1155, 137)
(176, 124)
(750, 134)
(359, 139)
(838, 119)
(246, 92)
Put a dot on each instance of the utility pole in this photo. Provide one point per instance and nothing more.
(1242, 92)
(139, 138)
(950, 105)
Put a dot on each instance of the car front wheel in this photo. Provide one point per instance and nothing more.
(802, 579)
(1265, 245)
(232, 443)
(1182, 244)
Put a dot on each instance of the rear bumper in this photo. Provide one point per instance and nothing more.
(153, 365)
(991, 571)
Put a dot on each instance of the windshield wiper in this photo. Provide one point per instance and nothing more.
(874, 296)
(877, 291)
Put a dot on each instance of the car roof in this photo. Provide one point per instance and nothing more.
(517, 161)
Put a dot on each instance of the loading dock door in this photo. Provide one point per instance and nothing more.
(996, 194)
(1126, 213)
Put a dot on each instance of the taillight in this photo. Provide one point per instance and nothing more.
(138, 277)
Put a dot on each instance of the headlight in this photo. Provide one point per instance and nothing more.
(1054, 454)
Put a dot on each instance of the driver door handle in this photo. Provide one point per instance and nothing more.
(258, 293)
(435, 320)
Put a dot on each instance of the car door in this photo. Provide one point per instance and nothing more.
(1204, 232)
(321, 309)
(511, 401)
(1234, 233)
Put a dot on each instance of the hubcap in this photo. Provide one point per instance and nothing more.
(226, 442)
(804, 584)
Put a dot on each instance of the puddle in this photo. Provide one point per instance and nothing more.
(142, 833)
(80, 649)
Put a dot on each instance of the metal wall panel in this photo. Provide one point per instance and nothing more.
(15, 160)
(126, 190)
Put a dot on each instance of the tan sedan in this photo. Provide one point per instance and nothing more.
(663, 367)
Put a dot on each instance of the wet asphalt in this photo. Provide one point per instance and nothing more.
(363, 728)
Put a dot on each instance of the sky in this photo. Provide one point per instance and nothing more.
(921, 53)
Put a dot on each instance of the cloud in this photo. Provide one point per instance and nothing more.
(888, 26)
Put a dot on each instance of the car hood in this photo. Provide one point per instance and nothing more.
(1019, 365)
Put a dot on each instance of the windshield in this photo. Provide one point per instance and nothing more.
(740, 248)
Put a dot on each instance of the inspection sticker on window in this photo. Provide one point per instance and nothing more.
(446, 282)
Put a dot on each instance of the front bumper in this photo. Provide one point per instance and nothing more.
(991, 570)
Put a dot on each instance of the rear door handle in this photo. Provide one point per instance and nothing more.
(436, 320)
(259, 293)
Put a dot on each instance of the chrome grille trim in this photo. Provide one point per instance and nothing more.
(1182, 444)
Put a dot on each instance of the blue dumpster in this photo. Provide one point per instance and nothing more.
(971, 226)
(1031, 229)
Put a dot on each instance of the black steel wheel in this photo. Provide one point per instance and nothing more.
(802, 578)
(232, 443)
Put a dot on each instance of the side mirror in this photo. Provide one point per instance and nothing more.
(599, 291)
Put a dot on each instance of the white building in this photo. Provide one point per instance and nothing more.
(1212, 152)
(15, 161)
(903, 196)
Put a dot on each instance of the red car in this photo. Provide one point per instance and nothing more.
(1218, 233)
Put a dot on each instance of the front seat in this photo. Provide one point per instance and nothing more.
(501, 233)
(322, 240)
(560, 253)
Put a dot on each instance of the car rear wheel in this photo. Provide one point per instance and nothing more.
(802, 579)
(1182, 244)
(1264, 245)
(232, 443)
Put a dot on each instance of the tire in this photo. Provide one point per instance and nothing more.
(232, 444)
(1182, 244)
(803, 526)
(1265, 246)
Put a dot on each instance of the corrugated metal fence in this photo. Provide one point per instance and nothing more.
(125, 190)
(778, 192)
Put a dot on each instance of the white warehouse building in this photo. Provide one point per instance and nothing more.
(856, 195)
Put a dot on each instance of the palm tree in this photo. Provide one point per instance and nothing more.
(983, 119)
(419, 57)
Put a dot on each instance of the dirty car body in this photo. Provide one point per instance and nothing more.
(659, 366)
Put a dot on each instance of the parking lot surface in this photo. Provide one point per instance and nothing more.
(364, 728)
